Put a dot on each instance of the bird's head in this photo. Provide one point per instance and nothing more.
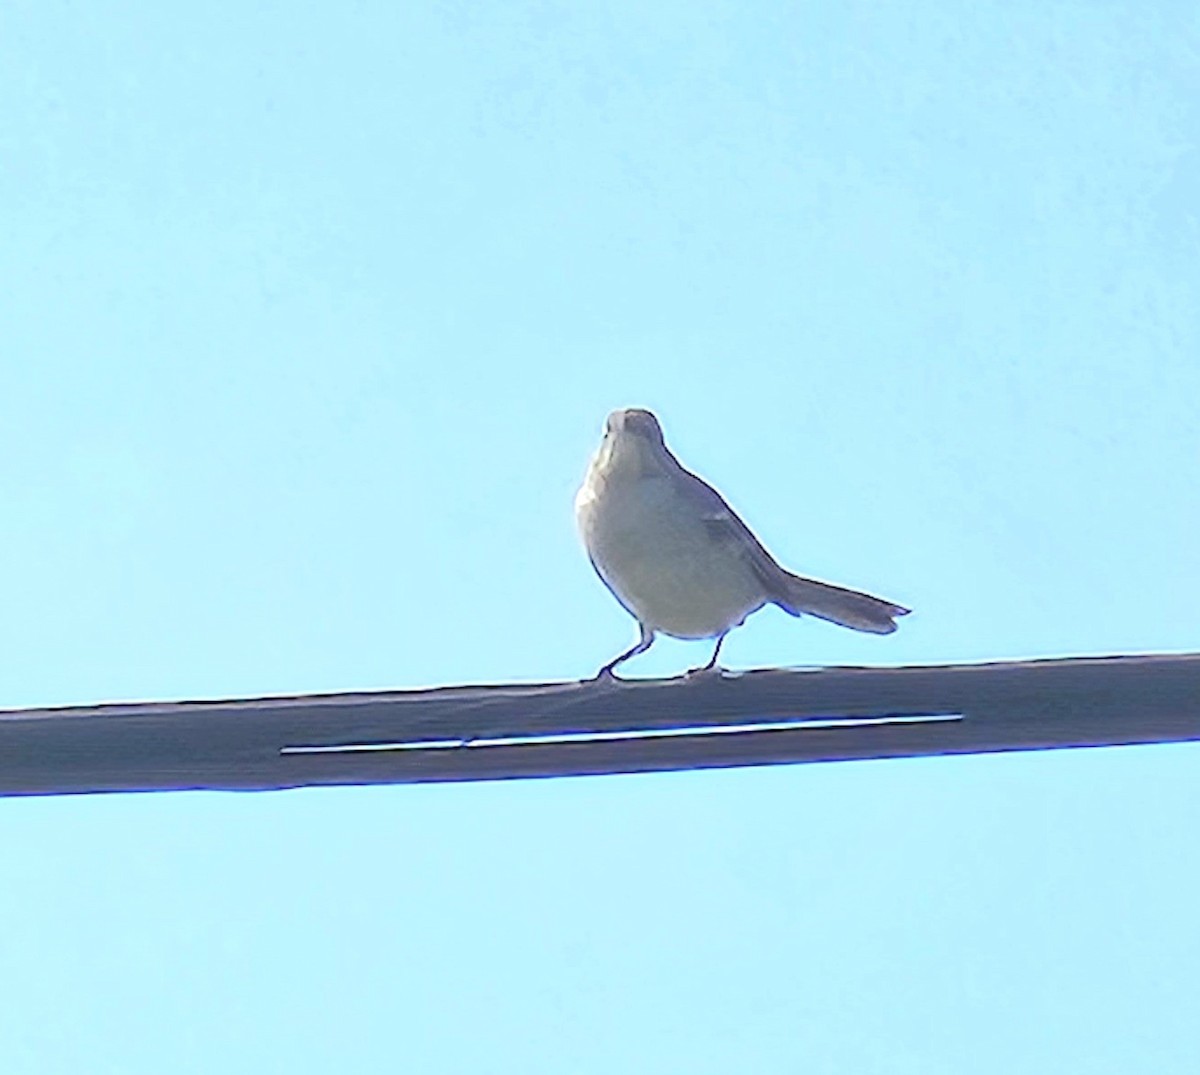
(634, 422)
(633, 443)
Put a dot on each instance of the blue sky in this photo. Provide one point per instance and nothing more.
(311, 316)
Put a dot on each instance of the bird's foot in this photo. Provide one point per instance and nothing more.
(605, 677)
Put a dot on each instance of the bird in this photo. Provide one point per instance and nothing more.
(679, 559)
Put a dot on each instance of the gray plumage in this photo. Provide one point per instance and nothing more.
(678, 558)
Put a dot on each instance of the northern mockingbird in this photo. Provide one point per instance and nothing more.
(678, 558)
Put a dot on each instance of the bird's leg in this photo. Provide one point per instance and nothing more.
(642, 644)
(712, 661)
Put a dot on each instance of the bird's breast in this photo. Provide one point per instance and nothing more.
(660, 558)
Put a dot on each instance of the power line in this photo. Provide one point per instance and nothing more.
(572, 729)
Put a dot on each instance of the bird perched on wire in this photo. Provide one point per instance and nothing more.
(678, 558)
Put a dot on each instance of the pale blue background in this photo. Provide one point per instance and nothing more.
(309, 317)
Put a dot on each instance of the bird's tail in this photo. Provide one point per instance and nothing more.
(849, 608)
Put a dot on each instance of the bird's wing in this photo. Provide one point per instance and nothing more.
(724, 525)
(794, 594)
